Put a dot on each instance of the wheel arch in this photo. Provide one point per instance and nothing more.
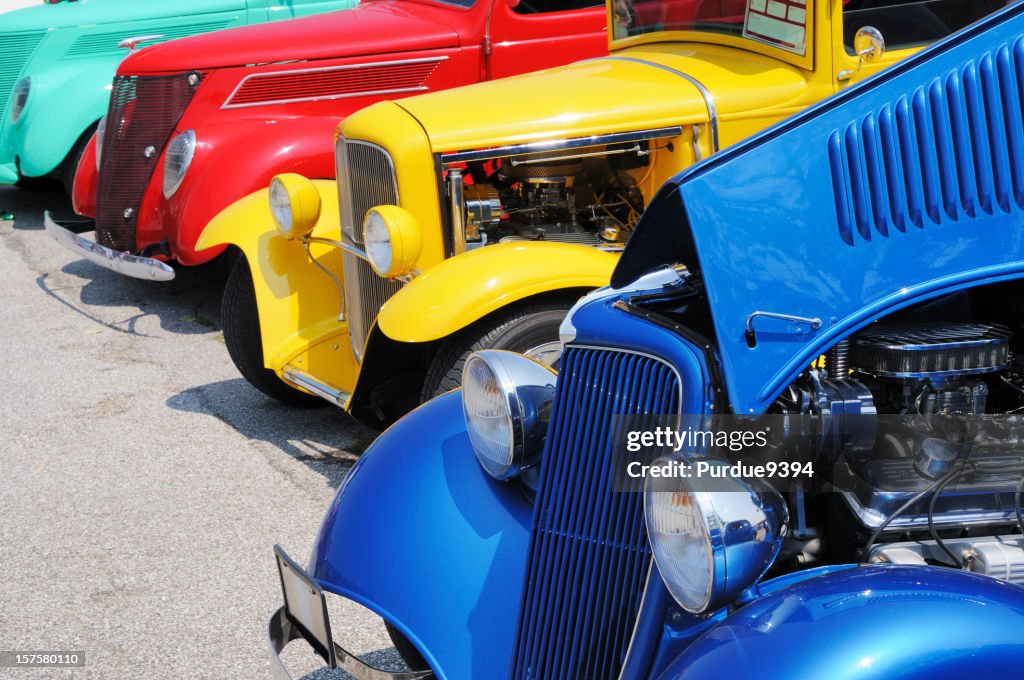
(395, 370)
(464, 289)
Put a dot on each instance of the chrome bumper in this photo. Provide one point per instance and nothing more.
(306, 618)
(122, 263)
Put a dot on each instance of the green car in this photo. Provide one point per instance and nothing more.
(57, 61)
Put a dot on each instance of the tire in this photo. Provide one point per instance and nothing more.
(241, 324)
(69, 168)
(530, 329)
(36, 183)
(410, 655)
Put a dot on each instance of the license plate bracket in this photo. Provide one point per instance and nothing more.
(306, 606)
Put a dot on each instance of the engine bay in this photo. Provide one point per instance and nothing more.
(589, 196)
(918, 418)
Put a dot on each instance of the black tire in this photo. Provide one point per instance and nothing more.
(241, 324)
(37, 183)
(410, 655)
(69, 168)
(518, 329)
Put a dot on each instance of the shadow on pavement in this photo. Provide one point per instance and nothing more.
(325, 439)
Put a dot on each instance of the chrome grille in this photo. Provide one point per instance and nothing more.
(15, 51)
(365, 294)
(366, 178)
(589, 555)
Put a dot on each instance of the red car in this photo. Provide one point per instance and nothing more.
(195, 124)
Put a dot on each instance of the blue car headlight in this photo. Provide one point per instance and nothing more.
(713, 537)
(506, 399)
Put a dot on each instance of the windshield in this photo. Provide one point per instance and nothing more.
(780, 23)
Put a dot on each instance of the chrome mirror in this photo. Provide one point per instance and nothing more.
(869, 44)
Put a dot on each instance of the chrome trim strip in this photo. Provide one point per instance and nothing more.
(127, 264)
(644, 602)
(709, 99)
(457, 206)
(326, 69)
(311, 384)
(557, 144)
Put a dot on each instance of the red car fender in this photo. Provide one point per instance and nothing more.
(83, 195)
(231, 160)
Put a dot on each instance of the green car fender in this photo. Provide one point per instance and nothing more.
(49, 127)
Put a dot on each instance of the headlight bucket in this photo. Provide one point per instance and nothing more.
(393, 240)
(506, 400)
(295, 205)
(712, 537)
(19, 98)
(177, 159)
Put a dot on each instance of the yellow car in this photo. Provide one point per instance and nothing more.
(475, 217)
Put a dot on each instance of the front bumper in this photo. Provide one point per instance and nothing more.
(304, 616)
(123, 263)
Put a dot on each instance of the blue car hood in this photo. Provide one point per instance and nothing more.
(905, 187)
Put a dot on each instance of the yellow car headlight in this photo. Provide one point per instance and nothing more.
(295, 205)
(393, 240)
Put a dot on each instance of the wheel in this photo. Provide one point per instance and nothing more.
(36, 183)
(530, 329)
(69, 168)
(410, 655)
(241, 324)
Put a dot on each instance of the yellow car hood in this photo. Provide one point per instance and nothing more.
(630, 90)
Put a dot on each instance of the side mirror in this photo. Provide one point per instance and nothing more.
(869, 44)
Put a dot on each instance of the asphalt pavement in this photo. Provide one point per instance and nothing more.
(143, 483)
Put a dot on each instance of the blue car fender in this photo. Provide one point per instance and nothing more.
(419, 534)
(869, 622)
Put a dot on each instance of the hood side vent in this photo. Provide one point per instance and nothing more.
(334, 82)
(942, 153)
(95, 44)
(15, 51)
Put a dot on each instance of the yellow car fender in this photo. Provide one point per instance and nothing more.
(299, 305)
(464, 289)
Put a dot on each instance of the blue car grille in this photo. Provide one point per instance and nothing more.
(15, 51)
(589, 555)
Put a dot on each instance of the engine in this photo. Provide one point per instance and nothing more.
(581, 196)
(916, 424)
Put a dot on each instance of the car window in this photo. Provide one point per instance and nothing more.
(913, 24)
(544, 6)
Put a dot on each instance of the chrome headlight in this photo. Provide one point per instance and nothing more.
(713, 537)
(393, 240)
(177, 159)
(101, 131)
(20, 98)
(506, 399)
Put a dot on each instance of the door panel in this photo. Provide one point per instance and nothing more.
(537, 34)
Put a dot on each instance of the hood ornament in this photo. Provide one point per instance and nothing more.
(131, 44)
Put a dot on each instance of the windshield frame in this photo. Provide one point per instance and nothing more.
(805, 61)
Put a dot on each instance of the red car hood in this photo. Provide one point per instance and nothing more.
(371, 28)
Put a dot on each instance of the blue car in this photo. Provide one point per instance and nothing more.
(847, 288)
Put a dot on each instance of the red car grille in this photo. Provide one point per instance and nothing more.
(142, 115)
(334, 82)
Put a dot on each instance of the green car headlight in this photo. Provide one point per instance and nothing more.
(20, 98)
